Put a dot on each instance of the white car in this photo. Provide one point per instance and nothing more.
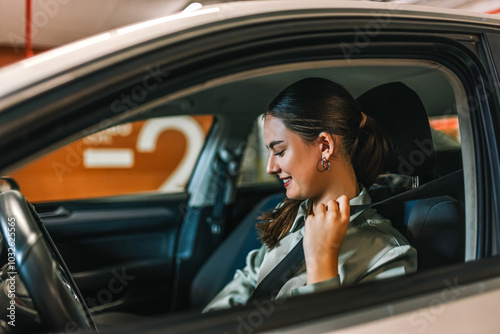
(149, 260)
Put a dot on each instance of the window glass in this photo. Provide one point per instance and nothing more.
(447, 144)
(156, 155)
(445, 134)
(253, 166)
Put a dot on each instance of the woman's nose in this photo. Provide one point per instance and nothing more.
(272, 166)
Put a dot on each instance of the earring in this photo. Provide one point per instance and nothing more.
(325, 164)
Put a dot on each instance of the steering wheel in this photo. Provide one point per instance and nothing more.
(41, 267)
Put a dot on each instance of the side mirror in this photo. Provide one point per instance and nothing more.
(8, 183)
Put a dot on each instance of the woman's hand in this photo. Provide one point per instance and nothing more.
(324, 233)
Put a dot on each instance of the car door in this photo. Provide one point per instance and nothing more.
(430, 300)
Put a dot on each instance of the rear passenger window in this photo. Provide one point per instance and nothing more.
(445, 132)
(446, 138)
(156, 155)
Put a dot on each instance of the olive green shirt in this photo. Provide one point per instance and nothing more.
(372, 249)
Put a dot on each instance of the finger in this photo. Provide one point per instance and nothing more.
(321, 208)
(333, 206)
(344, 207)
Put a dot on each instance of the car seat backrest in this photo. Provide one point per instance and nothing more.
(434, 226)
(401, 113)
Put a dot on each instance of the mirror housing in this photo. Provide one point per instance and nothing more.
(8, 183)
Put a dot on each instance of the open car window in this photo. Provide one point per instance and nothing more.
(156, 155)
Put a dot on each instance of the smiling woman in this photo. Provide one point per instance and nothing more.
(326, 151)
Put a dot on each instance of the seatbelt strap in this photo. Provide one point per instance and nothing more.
(227, 168)
(293, 261)
(443, 186)
(287, 268)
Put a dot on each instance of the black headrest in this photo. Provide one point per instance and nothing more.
(400, 111)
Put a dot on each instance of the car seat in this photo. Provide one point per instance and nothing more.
(435, 226)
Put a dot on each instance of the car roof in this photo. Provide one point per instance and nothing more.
(67, 62)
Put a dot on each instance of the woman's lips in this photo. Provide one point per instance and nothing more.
(287, 181)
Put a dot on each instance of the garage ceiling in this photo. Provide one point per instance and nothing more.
(56, 22)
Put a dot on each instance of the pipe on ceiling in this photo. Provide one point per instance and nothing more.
(29, 50)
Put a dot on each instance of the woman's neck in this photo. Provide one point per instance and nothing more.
(342, 181)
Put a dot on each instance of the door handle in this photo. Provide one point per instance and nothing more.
(59, 211)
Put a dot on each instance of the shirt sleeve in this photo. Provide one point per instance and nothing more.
(239, 290)
(328, 284)
(397, 261)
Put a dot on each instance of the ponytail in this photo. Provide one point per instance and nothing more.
(276, 224)
(370, 152)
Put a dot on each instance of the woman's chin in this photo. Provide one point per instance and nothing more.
(292, 195)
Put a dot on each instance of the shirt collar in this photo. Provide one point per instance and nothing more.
(362, 199)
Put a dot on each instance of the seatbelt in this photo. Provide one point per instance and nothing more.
(227, 169)
(439, 187)
(287, 268)
(293, 261)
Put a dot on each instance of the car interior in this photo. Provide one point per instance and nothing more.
(180, 267)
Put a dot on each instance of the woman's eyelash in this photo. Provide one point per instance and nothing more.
(279, 154)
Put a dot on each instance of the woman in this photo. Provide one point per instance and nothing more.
(327, 153)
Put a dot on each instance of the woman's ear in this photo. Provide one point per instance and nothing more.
(326, 145)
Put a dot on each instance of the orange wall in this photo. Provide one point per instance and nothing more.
(9, 55)
(62, 174)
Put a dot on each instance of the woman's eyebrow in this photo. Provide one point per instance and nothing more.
(274, 143)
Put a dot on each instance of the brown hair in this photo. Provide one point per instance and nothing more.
(309, 107)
